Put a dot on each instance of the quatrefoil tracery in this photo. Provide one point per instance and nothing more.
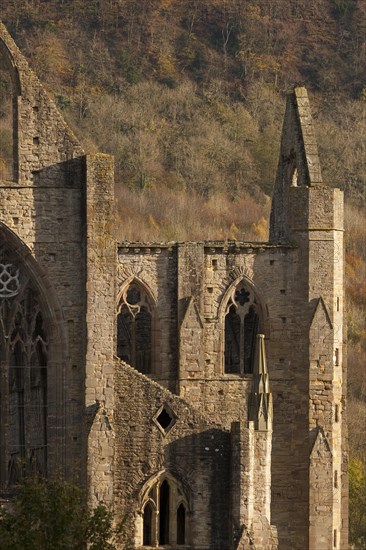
(9, 280)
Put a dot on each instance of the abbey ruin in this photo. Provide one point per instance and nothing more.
(196, 388)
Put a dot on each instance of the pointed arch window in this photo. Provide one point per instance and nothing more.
(23, 377)
(181, 524)
(135, 328)
(7, 117)
(148, 525)
(164, 513)
(240, 330)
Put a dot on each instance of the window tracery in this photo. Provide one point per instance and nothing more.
(164, 514)
(134, 328)
(241, 328)
(23, 381)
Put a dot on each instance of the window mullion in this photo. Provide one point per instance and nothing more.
(157, 516)
(4, 426)
(27, 412)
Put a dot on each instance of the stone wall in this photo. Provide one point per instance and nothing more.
(57, 218)
(195, 451)
(44, 207)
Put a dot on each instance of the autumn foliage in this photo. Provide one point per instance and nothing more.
(188, 95)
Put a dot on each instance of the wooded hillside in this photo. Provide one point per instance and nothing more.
(188, 95)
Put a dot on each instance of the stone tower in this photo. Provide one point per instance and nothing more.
(309, 215)
(197, 389)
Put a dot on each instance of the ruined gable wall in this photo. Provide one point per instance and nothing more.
(44, 208)
(277, 275)
(195, 451)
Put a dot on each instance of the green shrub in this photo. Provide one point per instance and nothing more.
(54, 515)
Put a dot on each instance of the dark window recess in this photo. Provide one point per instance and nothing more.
(23, 430)
(164, 513)
(181, 524)
(147, 527)
(165, 418)
(241, 329)
(242, 296)
(250, 333)
(232, 342)
(134, 331)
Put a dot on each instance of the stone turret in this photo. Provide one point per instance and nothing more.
(261, 406)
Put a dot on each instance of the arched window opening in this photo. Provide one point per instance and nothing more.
(147, 525)
(241, 328)
(7, 99)
(134, 329)
(23, 378)
(181, 524)
(232, 341)
(251, 330)
(164, 514)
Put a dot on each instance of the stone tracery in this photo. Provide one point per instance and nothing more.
(134, 328)
(164, 513)
(23, 384)
(241, 328)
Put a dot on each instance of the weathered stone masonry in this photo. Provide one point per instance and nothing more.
(221, 425)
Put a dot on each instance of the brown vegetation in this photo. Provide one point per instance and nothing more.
(188, 96)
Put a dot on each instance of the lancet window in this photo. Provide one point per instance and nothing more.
(23, 377)
(7, 94)
(134, 328)
(164, 514)
(241, 328)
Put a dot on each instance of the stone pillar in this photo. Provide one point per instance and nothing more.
(190, 324)
(242, 482)
(100, 326)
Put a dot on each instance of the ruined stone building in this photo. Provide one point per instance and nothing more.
(197, 388)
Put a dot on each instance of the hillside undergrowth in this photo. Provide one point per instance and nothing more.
(189, 96)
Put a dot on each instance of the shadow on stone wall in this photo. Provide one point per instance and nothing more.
(202, 461)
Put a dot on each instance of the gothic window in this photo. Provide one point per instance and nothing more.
(181, 524)
(134, 329)
(7, 95)
(23, 378)
(241, 328)
(164, 513)
(147, 525)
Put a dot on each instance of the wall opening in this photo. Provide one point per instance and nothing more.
(7, 118)
(147, 525)
(23, 379)
(164, 513)
(241, 327)
(135, 328)
(181, 524)
(164, 519)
